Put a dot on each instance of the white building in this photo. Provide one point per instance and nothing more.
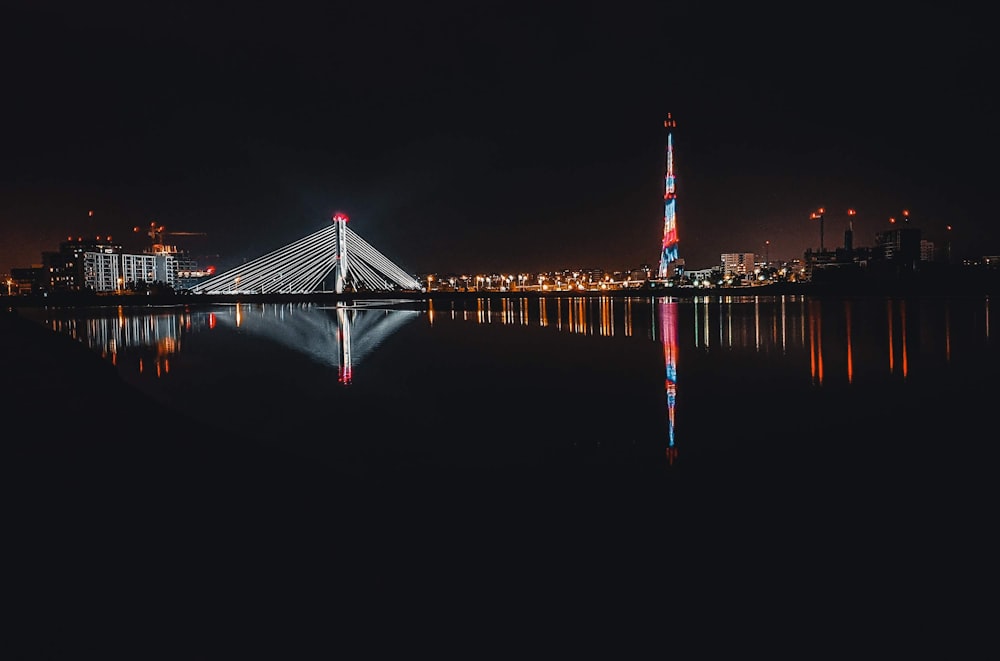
(108, 272)
(698, 276)
(739, 264)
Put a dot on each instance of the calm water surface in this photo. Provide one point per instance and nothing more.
(826, 463)
(714, 384)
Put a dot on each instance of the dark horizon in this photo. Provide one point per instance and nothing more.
(500, 137)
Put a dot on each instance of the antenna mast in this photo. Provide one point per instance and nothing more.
(669, 248)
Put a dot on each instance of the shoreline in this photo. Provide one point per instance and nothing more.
(984, 286)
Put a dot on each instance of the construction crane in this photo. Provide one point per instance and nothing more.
(157, 232)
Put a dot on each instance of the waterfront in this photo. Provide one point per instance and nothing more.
(565, 447)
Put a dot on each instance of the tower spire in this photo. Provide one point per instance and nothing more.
(669, 248)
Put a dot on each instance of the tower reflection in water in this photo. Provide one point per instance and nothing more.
(346, 362)
(668, 336)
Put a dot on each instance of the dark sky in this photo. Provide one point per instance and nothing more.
(493, 136)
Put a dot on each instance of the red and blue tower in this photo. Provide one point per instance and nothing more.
(669, 251)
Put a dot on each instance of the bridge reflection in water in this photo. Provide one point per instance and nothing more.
(342, 340)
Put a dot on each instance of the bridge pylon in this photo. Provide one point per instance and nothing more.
(340, 268)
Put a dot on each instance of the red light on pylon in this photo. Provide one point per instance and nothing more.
(340, 217)
(90, 214)
(851, 212)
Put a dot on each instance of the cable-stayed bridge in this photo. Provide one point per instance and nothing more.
(303, 267)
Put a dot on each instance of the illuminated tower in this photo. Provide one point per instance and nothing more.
(668, 254)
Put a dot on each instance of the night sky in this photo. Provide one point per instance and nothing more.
(493, 136)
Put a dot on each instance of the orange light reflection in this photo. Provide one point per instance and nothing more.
(850, 359)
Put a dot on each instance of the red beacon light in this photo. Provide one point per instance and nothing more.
(340, 217)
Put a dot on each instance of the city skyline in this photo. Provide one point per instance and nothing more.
(495, 138)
